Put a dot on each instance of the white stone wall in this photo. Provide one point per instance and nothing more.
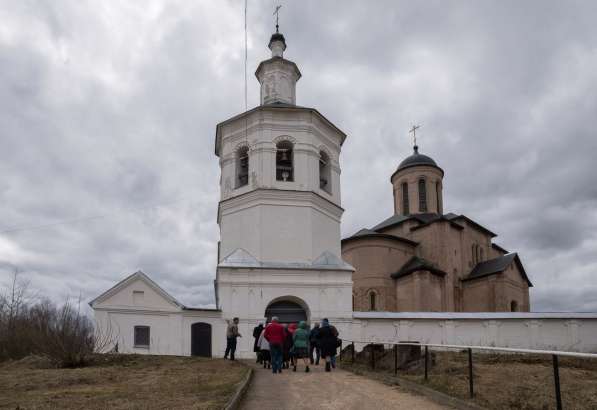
(576, 332)
(170, 332)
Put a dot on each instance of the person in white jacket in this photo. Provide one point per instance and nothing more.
(263, 345)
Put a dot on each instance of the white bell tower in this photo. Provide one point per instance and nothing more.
(279, 212)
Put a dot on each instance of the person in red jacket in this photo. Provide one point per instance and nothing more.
(274, 334)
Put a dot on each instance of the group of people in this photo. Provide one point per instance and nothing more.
(279, 346)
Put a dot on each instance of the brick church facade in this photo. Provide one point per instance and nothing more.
(421, 259)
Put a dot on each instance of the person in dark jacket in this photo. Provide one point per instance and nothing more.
(328, 339)
(314, 344)
(256, 333)
(287, 356)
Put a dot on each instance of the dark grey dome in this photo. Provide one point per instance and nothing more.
(417, 159)
(277, 37)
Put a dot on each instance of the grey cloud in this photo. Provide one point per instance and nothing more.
(109, 110)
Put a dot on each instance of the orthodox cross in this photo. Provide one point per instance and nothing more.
(277, 14)
(414, 132)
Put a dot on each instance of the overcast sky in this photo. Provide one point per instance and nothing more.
(109, 112)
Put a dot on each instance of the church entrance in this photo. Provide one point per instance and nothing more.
(201, 339)
(287, 311)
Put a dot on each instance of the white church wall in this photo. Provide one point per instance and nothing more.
(276, 226)
(575, 332)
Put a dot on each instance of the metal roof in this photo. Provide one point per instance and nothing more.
(497, 265)
(415, 264)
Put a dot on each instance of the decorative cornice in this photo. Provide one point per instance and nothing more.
(262, 195)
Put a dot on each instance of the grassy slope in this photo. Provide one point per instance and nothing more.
(122, 382)
(501, 381)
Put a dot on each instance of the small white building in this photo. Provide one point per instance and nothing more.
(279, 216)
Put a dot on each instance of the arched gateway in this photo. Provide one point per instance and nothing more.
(287, 310)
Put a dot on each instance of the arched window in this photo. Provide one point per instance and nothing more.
(372, 301)
(325, 181)
(480, 254)
(514, 306)
(284, 161)
(405, 210)
(422, 196)
(242, 167)
(474, 254)
(438, 194)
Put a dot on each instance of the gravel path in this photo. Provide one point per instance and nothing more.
(319, 390)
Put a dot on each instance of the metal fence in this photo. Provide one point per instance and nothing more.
(553, 353)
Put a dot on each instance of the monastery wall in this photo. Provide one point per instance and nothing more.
(573, 332)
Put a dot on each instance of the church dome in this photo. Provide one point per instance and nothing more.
(417, 159)
(277, 37)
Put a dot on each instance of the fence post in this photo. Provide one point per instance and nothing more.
(426, 360)
(470, 371)
(352, 352)
(372, 356)
(395, 360)
(556, 377)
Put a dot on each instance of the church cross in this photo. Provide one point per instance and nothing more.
(277, 14)
(414, 132)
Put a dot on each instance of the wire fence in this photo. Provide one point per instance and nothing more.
(555, 354)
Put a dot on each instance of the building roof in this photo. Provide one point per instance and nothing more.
(415, 160)
(368, 233)
(139, 275)
(427, 219)
(415, 264)
(497, 265)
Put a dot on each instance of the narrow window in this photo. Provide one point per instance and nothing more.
(142, 336)
(473, 254)
(438, 192)
(405, 210)
(242, 167)
(514, 306)
(138, 297)
(324, 172)
(372, 301)
(480, 254)
(422, 196)
(284, 164)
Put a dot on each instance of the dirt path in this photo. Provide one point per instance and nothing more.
(319, 390)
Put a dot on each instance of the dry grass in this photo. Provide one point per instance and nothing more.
(121, 382)
(501, 381)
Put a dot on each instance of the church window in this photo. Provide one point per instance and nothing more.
(422, 196)
(438, 194)
(284, 161)
(372, 301)
(474, 253)
(242, 167)
(324, 172)
(514, 306)
(405, 210)
(480, 254)
(142, 336)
